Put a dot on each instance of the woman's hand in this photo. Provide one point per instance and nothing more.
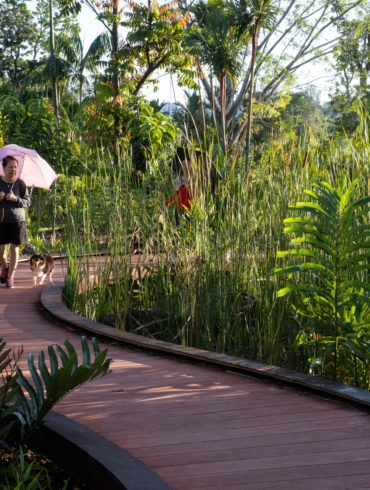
(10, 196)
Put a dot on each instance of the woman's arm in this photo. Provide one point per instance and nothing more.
(23, 200)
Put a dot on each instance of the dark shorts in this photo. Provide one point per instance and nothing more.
(15, 233)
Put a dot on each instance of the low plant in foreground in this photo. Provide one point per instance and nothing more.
(328, 279)
(24, 402)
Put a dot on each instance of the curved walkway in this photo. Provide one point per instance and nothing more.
(198, 426)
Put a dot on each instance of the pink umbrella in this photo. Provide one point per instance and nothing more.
(34, 170)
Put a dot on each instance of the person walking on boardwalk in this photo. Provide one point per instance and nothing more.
(13, 226)
(183, 195)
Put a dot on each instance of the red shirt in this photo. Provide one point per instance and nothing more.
(183, 197)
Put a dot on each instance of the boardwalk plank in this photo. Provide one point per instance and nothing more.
(303, 474)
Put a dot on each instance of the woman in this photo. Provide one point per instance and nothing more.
(13, 227)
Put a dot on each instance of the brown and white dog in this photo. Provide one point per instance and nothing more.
(42, 265)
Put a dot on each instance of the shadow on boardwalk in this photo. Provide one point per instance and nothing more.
(202, 427)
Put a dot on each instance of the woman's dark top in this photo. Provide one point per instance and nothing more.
(13, 211)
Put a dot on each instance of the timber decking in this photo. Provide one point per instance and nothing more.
(197, 426)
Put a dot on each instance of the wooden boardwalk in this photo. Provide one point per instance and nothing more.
(200, 427)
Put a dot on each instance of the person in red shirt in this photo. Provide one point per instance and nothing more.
(183, 196)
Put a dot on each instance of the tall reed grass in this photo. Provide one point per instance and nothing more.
(213, 284)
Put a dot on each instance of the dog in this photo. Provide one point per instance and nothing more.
(42, 265)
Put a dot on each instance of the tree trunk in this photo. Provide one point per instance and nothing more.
(223, 111)
(250, 104)
(52, 58)
(116, 84)
(365, 68)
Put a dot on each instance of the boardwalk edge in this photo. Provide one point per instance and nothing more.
(51, 299)
(81, 449)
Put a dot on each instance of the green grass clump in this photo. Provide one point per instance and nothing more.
(213, 285)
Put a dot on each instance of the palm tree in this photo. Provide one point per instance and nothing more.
(217, 41)
(109, 13)
(71, 47)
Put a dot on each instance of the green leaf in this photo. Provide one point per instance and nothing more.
(36, 379)
(85, 351)
(307, 288)
(309, 207)
(63, 355)
(58, 382)
(53, 360)
(46, 376)
(320, 245)
(305, 267)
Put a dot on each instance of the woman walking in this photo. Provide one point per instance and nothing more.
(13, 227)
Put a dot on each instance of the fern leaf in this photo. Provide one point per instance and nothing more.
(320, 245)
(308, 288)
(357, 246)
(305, 267)
(299, 252)
(321, 227)
(357, 284)
(310, 207)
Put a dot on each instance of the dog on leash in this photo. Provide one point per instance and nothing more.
(42, 265)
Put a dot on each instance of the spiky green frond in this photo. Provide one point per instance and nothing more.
(48, 386)
(9, 391)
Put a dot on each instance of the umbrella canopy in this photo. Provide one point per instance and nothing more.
(33, 169)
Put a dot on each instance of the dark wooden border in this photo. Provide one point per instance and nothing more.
(51, 299)
(100, 463)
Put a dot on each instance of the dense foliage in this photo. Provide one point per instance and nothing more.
(330, 253)
(214, 285)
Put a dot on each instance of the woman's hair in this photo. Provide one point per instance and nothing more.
(8, 159)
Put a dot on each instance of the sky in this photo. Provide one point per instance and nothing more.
(318, 75)
(167, 89)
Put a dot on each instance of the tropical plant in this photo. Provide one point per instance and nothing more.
(289, 34)
(34, 125)
(352, 53)
(69, 46)
(48, 385)
(217, 41)
(329, 255)
(144, 131)
(154, 42)
(8, 390)
(23, 475)
(17, 33)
